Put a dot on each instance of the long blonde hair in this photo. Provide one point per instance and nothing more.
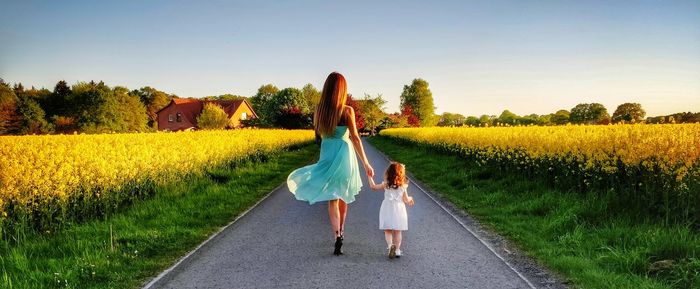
(330, 107)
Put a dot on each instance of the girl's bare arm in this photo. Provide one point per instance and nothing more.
(407, 199)
(374, 186)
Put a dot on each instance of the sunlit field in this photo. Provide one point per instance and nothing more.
(47, 180)
(651, 167)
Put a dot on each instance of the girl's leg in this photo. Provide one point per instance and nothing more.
(334, 216)
(388, 237)
(397, 239)
(343, 210)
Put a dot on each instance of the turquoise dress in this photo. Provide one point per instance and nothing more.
(336, 175)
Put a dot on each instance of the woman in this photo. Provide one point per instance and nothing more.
(336, 176)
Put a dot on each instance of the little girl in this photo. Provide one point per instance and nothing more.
(392, 215)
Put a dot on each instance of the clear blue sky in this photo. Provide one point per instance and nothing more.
(480, 57)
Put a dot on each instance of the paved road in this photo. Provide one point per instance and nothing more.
(284, 243)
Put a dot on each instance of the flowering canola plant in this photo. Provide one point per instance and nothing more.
(35, 170)
(655, 160)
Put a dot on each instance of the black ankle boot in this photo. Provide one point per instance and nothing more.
(338, 245)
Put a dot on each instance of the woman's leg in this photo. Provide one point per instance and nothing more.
(343, 210)
(388, 237)
(397, 239)
(334, 216)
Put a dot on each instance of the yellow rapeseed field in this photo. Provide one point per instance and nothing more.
(675, 148)
(654, 159)
(54, 168)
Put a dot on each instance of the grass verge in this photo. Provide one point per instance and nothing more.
(148, 236)
(576, 236)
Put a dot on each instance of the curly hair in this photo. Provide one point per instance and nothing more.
(395, 175)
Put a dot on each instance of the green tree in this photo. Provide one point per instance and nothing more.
(40, 96)
(154, 100)
(262, 104)
(560, 117)
(545, 119)
(100, 109)
(32, 117)
(213, 116)
(131, 114)
(89, 102)
(372, 109)
(30, 111)
(312, 95)
(507, 117)
(589, 113)
(686, 117)
(288, 109)
(681, 117)
(58, 107)
(580, 113)
(629, 112)
(486, 120)
(530, 119)
(226, 96)
(451, 119)
(472, 121)
(418, 96)
(599, 114)
(56, 103)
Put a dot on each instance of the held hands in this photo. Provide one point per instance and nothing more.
(369, 170)
(371, 181)
(373, 185)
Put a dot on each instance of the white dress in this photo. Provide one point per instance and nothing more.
(392, 214)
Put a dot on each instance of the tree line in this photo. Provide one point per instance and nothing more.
(91, 107)
(583, 113)
(94, 107)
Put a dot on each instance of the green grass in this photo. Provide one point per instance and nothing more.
(580, 237)
(147, 237)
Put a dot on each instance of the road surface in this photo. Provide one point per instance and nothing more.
(285, 243)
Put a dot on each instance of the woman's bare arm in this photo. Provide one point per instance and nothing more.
(356, 141)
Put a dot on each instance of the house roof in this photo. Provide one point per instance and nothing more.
(191, 108)
(184, 100)
(230, 106)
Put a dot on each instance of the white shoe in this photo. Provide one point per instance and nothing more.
(398, 253)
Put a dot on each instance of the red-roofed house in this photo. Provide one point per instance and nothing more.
(182, 113)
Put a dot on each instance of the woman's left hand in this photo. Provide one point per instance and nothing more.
(369, 170)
